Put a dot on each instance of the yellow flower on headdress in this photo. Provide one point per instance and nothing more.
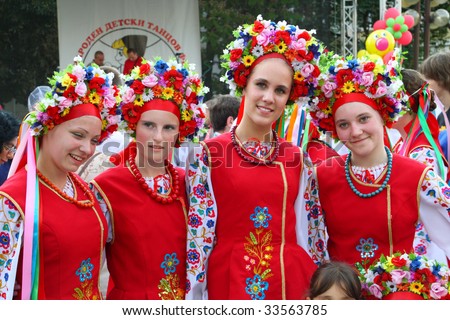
(416, 287)
(65, 112)
(138, 101)
(248, 60)
(328, 111)
(348, 87)
(94, 98)
(66, 81)
(168, 93)
(298, 76)
(185, 115)
(281, 47)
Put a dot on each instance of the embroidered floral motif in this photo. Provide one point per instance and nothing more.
(87, 290)
(367, 248)
(259, 248)
(170, 285)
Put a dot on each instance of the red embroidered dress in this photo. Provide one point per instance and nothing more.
(146, 257)
(72, 242)
(245, 215)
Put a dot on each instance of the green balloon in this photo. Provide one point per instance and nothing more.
(404, 28)
(400, 20)
(390, 22)
(397, 35)
(390, 30)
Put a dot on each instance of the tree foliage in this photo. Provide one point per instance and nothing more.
(29, 33)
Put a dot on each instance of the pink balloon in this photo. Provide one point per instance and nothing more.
(391, 13)
(388, 56)
(405, 39)
(379, 25)
(409, 20)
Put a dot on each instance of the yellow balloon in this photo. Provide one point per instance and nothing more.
(362, 53)
(380, 42)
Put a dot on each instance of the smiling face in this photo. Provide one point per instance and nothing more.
(267, 92)
(156, 134)
(67, 146)
(360, 128)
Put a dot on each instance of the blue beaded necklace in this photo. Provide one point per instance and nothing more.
(383, 185)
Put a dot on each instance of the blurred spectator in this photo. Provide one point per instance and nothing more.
(133, 60)
(9, 129)
(224, 109)
(99, 58)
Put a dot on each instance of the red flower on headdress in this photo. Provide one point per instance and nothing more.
(144, 68)
(240, 75)
(398, 262)
(131, 112)
(258, 27)
(235, 54)
(70, 93)
(304, 35)
(138, 87)
(53, 112)
(282, 36)
(96, 83)
(175, 78)
(187, 128)
(344, 76)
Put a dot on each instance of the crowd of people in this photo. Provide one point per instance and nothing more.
(245, 213)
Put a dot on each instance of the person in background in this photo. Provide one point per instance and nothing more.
(45, 206)
(243, 184)
(134, 60)
(99, 58)
(9, 129)
(222, 113)
(335, 281)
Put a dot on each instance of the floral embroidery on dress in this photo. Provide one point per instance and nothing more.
(201, 218)
(438, 190)
(259, 253)
(87, 290)
(170, 285)
(11, 229)
(367, 248)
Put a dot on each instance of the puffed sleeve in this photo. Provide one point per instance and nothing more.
(202, 218)
(435, 210)
(11, 231)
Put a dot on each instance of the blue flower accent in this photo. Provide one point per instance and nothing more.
(415, 264)
(84, 272)
(4, 240)
(161, 66)
(170, 262)
(261, 217)
(256, 287)
(210, 223)
(367, 248)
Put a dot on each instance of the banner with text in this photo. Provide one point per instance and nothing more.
(157, 28)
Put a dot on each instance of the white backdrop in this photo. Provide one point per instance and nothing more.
(161, 28)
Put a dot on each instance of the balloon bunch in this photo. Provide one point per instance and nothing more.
(393, 29)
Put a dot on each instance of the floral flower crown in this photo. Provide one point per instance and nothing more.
(167, 81)
(378, 82)
(77, 85)
(297, 46)
(404, 272)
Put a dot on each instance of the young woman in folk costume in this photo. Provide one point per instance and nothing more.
(381, 196)
(242, 240)
(53, 232)
(146, 251)
(419, 132)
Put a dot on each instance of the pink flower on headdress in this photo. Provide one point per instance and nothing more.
(80, 89)
(328, 89)
(299, 44)
(63, 102)
(376, 290)
(78, 72)
(110, 100)
(307, 69)
(366, 79)
(381, 90)
(399, 275)
(112, 119)
(437, 291)
(128, 96)
(264, 37)
(150, 81)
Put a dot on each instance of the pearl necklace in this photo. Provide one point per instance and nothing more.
(383, 185)
(81, 203)
(167, 199)
(251, 158)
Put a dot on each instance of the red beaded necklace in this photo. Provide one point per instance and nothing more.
(251, 158)
(172, 196)
(81, 203)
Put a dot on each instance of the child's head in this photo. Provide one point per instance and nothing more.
(335, 281)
